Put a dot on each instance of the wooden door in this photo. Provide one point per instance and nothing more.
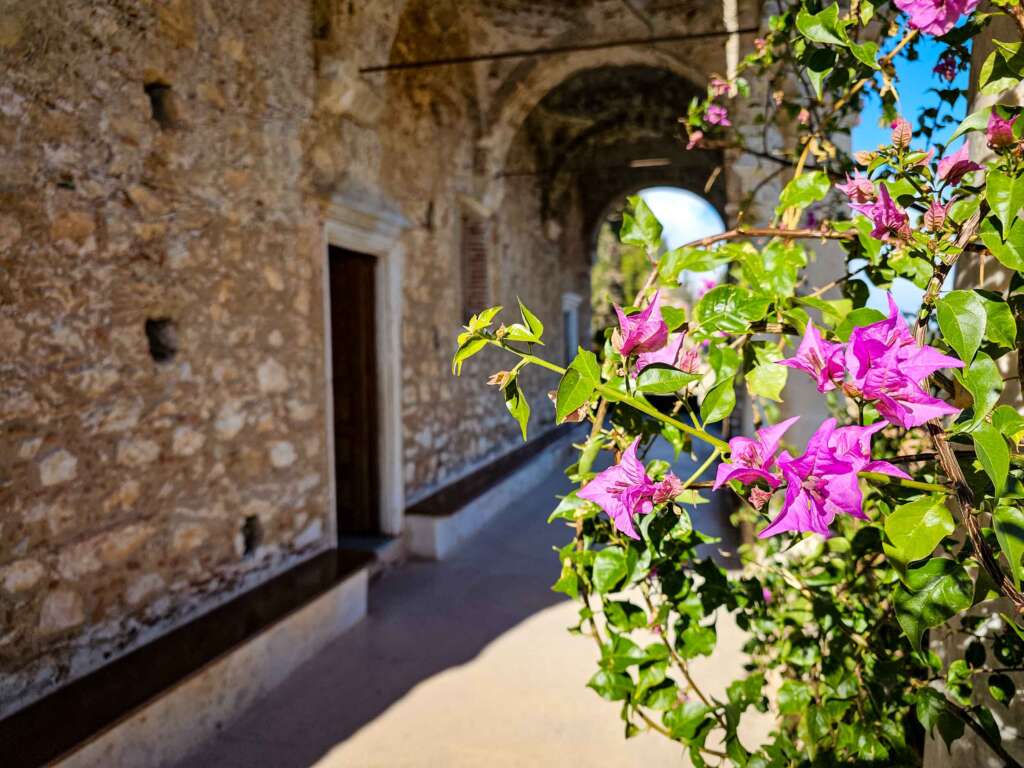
(354, 364)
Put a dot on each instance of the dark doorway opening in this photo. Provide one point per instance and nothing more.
(354, 376)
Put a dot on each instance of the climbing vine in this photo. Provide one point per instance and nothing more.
(897, 531)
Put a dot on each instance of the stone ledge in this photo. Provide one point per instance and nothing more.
(435, 536)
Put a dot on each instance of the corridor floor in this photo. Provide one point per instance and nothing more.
(464, 662)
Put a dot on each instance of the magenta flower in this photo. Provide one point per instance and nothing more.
(753, 460)
(999, 131)
(899, 400)
(947, 66)
(720, 87)
(667, 355)
(625, 490)
(689, 360)
(818, 487)
(953, 168)
(853, 445)
(935, 17)
(859, 189)
(823, 360)
(766, 594)
(717, 115)
(885, 365)
(891, 221)
(644, 331)
(695, 138)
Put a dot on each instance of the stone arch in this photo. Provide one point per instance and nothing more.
(535, 79)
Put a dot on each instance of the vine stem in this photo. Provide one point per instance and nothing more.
(947, 458)
(701, 469)
(614, 395)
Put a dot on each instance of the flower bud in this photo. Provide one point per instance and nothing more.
(902, 133)
(935, 217)
(999, 131)
(499, 379)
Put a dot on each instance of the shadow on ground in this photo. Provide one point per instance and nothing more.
(424, 618)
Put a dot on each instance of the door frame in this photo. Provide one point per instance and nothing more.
(353, 224)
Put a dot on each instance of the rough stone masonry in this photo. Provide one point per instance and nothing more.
(165, 166)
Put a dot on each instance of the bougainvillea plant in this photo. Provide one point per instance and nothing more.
(880, 594)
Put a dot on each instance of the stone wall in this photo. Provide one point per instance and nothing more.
(165, 166)
(161, 400)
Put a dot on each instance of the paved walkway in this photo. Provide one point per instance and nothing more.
(465, 662)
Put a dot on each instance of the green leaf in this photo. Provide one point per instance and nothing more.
(794, 697)
(640, 226)
(611, 686)
(805, 189)
(1005, 195)
(661, 696)
(520, 332)
(938, 590)
(688, 258)
(684, 721)
(865, 53)
(983, 380)
(933, 712)
(1002, 688)
(993, 453)
(623, 615)
(696, 640)
(962, 321)
(577, 384)
(767, 379)
(466, 351)
(673, 316)
(517, 404)
(569, 508)
(663, 379)
(609, 569)
(820, 27)
(1009, 422)
(530, 320)
(918, 527)
(1008, 521)
(1000, 327)
(976, 121)
(718, 403)
(1008, 250)
(729, 308)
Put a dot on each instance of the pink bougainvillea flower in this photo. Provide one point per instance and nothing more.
(717, 115)
(947, 66)
(859, 189)
(818, 487)
(900, 400)
(766, 594)
(935, 217)
(823, 360)
(935, 17)
(953, 167)
(753, 460)
(667, 355)
(999, 131)
(889, 344)
(720, 87)
(760, 44)
(623, 491)
(902, 133)
(695, 138)
(853, 445)
(667, 489)
(689, 360)
(642, 332)
(803, 116)
(891, 221)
